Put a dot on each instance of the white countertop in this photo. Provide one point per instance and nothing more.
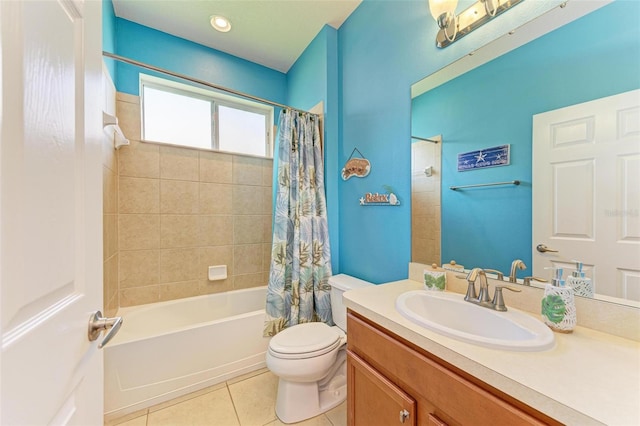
(589, 377)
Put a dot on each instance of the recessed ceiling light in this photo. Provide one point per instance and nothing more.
(220, 23)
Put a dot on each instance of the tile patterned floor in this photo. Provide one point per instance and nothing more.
(248, 400)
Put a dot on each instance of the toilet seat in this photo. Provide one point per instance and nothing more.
(306, 340)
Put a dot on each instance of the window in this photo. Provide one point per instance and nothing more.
(179, 114)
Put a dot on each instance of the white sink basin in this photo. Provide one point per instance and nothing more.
(449, 314)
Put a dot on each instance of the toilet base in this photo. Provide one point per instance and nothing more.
(298, 401)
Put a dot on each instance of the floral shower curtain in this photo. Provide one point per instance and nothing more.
(299, 290)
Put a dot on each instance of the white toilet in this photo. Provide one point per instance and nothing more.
(310, 360)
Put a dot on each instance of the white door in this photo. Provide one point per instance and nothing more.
(50, 212)
(586, 191)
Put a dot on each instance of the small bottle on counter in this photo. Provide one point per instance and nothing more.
(558, 304)
(581, 285)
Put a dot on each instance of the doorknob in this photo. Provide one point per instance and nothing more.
(97, 323)
(543, 249)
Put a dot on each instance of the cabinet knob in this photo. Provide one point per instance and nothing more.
(404, 415)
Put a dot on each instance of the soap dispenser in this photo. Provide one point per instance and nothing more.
(582, 286)
(558, 304)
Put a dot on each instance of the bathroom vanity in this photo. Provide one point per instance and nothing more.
(402, 373)
(392, 381)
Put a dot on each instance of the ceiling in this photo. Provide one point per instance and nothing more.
(272, 33)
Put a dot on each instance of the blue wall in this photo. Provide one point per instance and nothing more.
(494, 105)
(385, 46)
(311, 79)
(163, 50)
(363, 72)
(157, 48)
(377, 43)
(109, 35)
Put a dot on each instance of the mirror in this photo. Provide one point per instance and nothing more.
(487, 100)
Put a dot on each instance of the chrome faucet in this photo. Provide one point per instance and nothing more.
(516, 264)
(482, 299)
(483, 295)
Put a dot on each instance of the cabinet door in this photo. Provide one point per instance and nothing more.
(433, 420)
(373, 400)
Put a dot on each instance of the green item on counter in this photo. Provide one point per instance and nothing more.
(435, 283)
(553, 308)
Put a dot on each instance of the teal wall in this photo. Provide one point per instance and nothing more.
(311, 79)
(109, 35)
(385, 47)
(160, 49)
(163, 50)
(494, 104)
(379, 47)
(363, 73)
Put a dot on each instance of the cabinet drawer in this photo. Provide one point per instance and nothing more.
(458, 400)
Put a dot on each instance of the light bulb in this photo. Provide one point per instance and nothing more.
(220, 23)
(439, 7)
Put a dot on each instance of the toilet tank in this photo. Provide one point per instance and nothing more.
(339, 284)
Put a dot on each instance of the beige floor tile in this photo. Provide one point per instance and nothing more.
(320, 420)
(187, 397)
(255, 399)
(213, 408)
(247, 376)
(137, 418)
(138, 421)
(338, 415)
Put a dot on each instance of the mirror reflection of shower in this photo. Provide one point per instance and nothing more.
(425, 199)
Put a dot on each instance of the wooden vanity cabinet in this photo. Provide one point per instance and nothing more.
(392, 382)
(376, 400)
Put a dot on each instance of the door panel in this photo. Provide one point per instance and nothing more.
(573, 194)
(50, 253)
(630, 197)
(586, 191)
(373, 399)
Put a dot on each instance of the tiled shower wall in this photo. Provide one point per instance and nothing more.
(425, 203)
(181, 210)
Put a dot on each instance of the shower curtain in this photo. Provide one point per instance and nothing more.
(298, 289)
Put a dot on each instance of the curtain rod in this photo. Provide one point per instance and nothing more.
(424, 139)
(198, 81)
(512, 182)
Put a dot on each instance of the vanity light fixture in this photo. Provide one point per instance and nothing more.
(444, 12)
(453, 27)
(220, 23)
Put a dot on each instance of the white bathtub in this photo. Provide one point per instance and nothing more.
(168, 349)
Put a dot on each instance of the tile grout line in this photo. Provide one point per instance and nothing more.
(180, 400)
(235, 410)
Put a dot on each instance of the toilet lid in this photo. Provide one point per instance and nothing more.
(305, 340)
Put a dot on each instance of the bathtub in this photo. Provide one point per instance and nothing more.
(168, 349)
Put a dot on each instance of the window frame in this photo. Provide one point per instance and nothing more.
(215, 99)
